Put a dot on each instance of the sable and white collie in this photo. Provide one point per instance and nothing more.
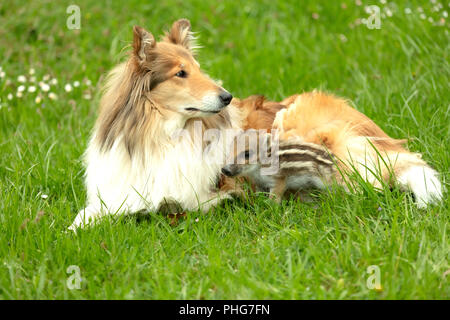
(136, 158)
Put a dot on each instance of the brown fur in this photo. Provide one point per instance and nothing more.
(323, 119)
(257, 112)
(348, 134)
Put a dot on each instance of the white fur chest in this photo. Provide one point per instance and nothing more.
(181, 171)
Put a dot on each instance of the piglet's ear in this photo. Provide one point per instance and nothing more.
(143, 43)
(181, 34)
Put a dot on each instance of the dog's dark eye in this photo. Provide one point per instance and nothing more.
(181, 74)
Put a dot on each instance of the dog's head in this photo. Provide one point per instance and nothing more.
(172, 76)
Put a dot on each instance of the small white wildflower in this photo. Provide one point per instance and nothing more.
(197, 220)
(408, 11)
(358, 2)
(68, 87)
(33, 79)
(419, 9)
(87, 96)
(21, 88)
(31, 71)
(54, 81)
(10, 96)
(383, 1)
(46, 77)
(343, 38)
(52, 96)
(423, 16)
(44, 196)
(19, 94)
(88, 82)
(22, 79)
(445, 14)
(38, 100)
(31, 89)
(76, 84)
(44, 87)
(389, 12)
(430, 19)
(2, 74)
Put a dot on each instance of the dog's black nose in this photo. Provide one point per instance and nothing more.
(225, 97)
(226, 172)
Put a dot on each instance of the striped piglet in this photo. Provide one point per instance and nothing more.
(291, 164)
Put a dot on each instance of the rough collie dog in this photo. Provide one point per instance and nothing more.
(321, 138)
(137, 157)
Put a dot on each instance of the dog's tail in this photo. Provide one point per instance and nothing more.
(422, 181)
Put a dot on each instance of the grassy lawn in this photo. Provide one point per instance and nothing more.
(247, 249)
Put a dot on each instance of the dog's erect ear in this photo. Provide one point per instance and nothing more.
(143, 42)
(181, 34)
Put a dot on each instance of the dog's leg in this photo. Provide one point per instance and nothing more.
(214, 199)
(276, 193)
(85, 217)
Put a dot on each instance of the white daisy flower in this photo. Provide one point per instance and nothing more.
(44, 87)
(46, 77)
(33, 79)
(88, 82)
(2, 74)
(52, 96)
(31, 89)
(38, 100)
(21, 88)
(54, 81)
(19, 94)
(21, 79)
(31, 71)
(44, 196)
(76, 84)
(445, 14)
(87, 96)
(10, 96)
(68, 87)
(408, 11)
(423, 16)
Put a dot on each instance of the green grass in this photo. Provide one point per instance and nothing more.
(397, 75)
